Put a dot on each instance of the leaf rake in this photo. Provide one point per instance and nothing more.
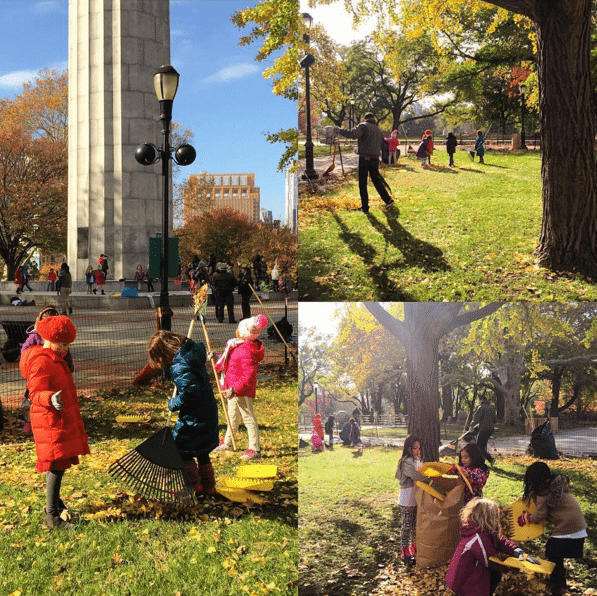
(154, 468)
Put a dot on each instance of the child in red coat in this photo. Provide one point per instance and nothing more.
(470, 572)
(55, 416)
(239, 365)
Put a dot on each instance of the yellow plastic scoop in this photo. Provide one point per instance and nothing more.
(257, 471)
(543, 567)
(247, 483)
(432, 491)
(132, 418)
(238, 495)
(528, 531)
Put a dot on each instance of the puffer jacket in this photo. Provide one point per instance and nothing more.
(241, 367)
(196, 430)
(58, 434)
(468, 573)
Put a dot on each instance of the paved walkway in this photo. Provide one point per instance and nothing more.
(580, 442)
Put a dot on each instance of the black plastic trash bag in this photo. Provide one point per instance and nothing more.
(543, 444)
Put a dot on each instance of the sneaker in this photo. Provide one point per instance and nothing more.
(388, 205)
(222, 447)
(250, 454)
(362, 210)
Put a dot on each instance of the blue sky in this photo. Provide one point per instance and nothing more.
(222, 96)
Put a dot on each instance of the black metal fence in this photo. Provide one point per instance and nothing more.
(111, 345)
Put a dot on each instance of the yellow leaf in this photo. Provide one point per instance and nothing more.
(211, 549)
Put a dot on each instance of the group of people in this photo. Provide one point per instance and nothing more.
(370, 140)
(53, 414)
(470, 572)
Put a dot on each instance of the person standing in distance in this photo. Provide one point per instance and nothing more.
(369, 143)
(486, 418)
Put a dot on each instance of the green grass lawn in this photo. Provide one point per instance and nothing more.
(126, 545)
(456, 234)
(349, 530)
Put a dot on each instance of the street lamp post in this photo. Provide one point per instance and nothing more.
(306, 62)
(352, 118)
(523, 91)
(165, 83)
(315, 387)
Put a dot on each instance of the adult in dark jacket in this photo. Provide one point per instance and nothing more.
(196, 430)
(329, 430)
(486, 418)
(245, 281)
(66, 283)
(370, 139)
(224, 283)
(345, 434)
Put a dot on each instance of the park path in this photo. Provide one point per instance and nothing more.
(579, 442)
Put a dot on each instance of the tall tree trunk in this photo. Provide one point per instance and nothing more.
(422, 372)
(566, 107)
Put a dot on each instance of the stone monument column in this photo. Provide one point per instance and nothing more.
(114, 203)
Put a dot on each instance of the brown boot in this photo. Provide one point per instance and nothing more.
(208, 479)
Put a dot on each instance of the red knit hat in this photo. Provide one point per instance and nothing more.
(58, 330)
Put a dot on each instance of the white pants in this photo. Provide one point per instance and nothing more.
(242, 407)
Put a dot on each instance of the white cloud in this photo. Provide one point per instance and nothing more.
(232, 73)
(16, 79)
(48, 6)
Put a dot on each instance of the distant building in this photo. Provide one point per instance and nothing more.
(266, 216)
(292, 201)
(233, 191)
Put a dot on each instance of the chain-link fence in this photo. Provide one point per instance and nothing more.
(111, 346)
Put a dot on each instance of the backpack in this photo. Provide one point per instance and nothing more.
(284, 327)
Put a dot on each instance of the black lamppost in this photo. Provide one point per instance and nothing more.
(306, 62)
(352, 118)
(523, 91)
(165, 82)
(315, 388)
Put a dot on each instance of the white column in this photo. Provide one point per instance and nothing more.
(114, 203)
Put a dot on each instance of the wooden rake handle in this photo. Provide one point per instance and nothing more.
(222, 399)
(272, 322)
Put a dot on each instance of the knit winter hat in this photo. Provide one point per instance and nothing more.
(251, 328)
(58, 330)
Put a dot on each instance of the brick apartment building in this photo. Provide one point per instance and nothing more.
(234, 191)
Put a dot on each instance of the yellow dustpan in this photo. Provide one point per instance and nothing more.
(463, 476)
(434, 468)
(238, 495)
(246, 483)
(528, 531)
(257, 471)
(543, 567)
(432, 491)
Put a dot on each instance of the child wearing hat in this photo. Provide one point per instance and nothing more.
(196, 430)
(239, 365)
(56, 421)
(35, 339)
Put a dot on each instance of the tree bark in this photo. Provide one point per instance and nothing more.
(423, 326)
(567, 117)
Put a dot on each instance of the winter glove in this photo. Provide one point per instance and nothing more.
(56, 400)
(524, 519)
(209, 358)
(228, 393)
(519, 554)
(533, 560)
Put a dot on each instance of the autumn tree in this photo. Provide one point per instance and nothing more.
(568, 240)
(33, 170)
(276, 23)
(419, 332)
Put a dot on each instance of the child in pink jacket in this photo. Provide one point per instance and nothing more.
(239, 365)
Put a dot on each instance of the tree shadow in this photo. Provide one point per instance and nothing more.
(471, 170)
(494, 165)
(415, 253)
